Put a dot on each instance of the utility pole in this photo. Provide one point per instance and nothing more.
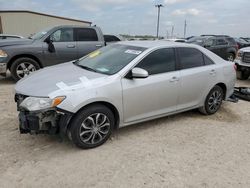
(185, 28)
(158, 18)
(172, 32)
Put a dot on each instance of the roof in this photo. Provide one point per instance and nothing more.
(155, 43)
(43, 14)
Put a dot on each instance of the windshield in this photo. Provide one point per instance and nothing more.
(197, 40)
(110, 59)
(40, 34)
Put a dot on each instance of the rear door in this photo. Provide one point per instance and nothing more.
(211, 45)
(87, 40)
(197, 75)
(65, 47)
(155, 95)
(223, 45)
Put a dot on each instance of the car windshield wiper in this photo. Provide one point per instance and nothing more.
(87, 68)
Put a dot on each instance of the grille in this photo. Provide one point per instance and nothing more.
(246, 57)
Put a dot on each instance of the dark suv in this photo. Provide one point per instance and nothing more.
(222, 45)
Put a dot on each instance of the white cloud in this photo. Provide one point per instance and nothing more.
(192, 11)
(174, 1)
(97, 5)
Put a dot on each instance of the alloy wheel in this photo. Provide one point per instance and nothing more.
(230, 58)
(24, 69)
(94, 128)
(215, 101)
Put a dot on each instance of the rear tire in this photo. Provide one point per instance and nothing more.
(22, 67)
(92, 126)
(230, 57)
(243, 75)
(213, 101)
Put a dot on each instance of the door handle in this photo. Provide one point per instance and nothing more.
(212, 72)
(71, 46)
(98, 45)
(174, 79)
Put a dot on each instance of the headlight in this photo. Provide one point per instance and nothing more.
(35, 103)
(239, 55)
(3, 53)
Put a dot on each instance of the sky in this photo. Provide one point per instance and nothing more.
(139, 17)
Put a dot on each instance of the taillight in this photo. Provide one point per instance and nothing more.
(235, 67)
(237, 47)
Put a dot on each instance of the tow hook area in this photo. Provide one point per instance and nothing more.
(240, 93)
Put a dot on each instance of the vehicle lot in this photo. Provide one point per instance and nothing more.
(185, 150)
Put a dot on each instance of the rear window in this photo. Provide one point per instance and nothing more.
(190, 58)
(111, 38)
(86, 34)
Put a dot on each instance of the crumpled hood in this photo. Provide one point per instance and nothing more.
(45, 81)
(15, 42)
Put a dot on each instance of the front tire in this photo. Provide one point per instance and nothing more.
(92, 126)
(22, 67)
(213, 101)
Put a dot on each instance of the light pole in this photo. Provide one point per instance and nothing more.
(185, 28)
(158, 18)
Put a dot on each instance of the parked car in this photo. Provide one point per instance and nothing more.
(222, 45)
(241, 43)
(112, 38)
(49, 47)
(243, 63)
(6, 36)
(175, 40)
(247, 39)
(119, 85)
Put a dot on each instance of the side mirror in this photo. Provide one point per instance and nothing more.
(207, 46)
(51, 47)
(139, 73)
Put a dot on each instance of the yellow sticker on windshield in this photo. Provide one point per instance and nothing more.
(94, 54)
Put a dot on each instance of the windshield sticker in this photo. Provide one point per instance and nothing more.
(102, 69)
(94, 54)
(135, 52)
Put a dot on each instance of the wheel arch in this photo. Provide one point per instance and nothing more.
(104, 103)
(223, 87)
(24, 55)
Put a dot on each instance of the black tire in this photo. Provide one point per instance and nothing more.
(82, 123)
(230, 57)
(243, 75)
(213, 101)
(25, 65)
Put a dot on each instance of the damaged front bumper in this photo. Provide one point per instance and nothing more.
(50, 121)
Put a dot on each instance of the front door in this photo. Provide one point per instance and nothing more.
(155, 95)
(65, 47)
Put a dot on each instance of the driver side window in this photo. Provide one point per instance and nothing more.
(62, 35)
(159, 61)
(210, 42)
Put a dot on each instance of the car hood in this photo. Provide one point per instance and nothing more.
(247, 49)
(11, 42)
(44, 82)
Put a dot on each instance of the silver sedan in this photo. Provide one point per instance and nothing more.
(119, 85)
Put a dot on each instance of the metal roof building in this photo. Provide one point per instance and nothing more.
(25, 23)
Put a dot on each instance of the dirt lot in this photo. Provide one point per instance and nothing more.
(186, 150)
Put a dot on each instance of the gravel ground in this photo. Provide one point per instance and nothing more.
(185, 150)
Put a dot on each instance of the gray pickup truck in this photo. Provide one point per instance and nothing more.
(49, 47)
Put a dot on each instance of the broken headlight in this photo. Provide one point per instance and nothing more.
(36, 103)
